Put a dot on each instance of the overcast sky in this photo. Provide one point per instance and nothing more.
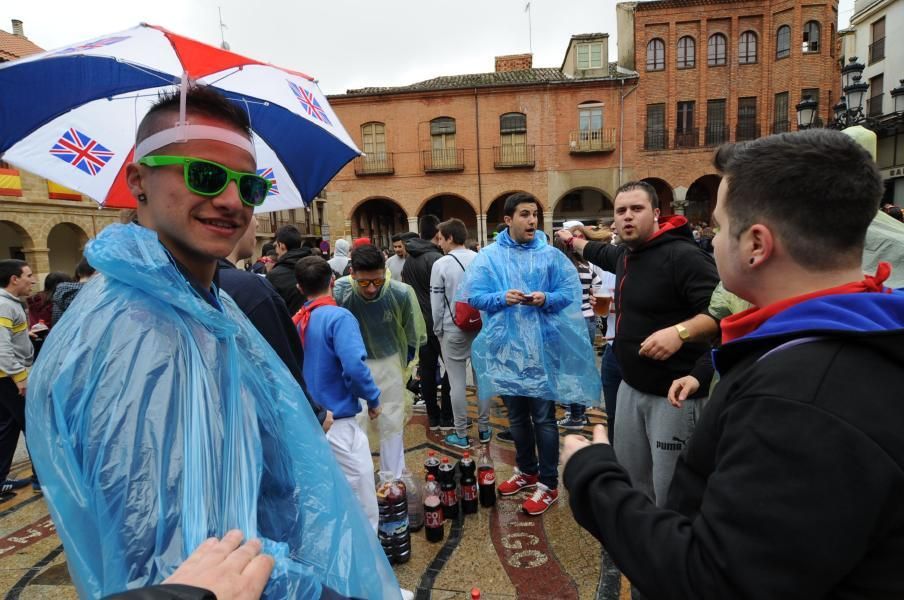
(343, 43)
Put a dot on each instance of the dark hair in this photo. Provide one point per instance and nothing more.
(471, 244)
(289, 236)
(10, 267)
(455, 229)
(267, 248)
(200, 100)
(501, 227)
(367, 257)
(817, 189)
(84, 269)
(512, 202)
(51, 282)
(895, 212)
(272, 253)
(426, 226)
(313, 275)
(396, 238)
(642, 186)
(573, 256)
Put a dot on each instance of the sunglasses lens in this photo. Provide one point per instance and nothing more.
(253, 189)
(206, 178)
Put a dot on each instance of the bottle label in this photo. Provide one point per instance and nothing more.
(488, 477)
(433, 519)
(449, 497)
(469, 492)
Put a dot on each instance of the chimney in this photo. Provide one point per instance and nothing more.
(17, 28)
(514, 62)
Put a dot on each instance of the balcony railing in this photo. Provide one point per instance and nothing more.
(448, 159)
(877, 50)
(377, 163)
(514, 156)
(747, 131)
(591, 140)
(716, 134)
(874, 106)
(781, 126)
(687, 138)
(656, 139)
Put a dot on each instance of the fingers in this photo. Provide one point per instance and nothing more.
(256, 574)
(600, 435)
(240, 558)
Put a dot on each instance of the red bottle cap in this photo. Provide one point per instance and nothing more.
(445, 459)
(475, 594)
(467, 454)
(431, 453)
(431, 477)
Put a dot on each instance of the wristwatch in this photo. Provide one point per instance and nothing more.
(683, 333)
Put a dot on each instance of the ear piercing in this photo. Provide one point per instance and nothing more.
(142, 198)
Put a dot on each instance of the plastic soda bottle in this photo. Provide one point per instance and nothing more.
(431, 465)
(468, 484)
(433, 511)
(449, 494)
(392, 502)
(486, 479)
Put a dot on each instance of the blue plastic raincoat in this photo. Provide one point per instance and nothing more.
(155, 421)
(525, 350)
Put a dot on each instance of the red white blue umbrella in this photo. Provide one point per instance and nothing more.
(70, 115)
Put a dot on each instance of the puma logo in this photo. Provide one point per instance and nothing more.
(676, 445)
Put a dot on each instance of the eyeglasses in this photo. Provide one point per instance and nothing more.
(366, 282)
(208, 178)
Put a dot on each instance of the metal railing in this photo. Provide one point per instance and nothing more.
(687, 138)
(515, 155)
(378, 163)
(874, 106)
(747, 131)
(592, 140)
(716, 134)
(781, 126)
(448, 159)
(655, 139)
(877, 50)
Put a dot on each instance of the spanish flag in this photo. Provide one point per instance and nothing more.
(56, 191)
(10, 183)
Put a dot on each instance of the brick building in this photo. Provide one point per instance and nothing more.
(714, 71)
(456, 146)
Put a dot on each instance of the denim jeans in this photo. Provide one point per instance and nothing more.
(428, 371)
(532, 423)
(610, 373)
(577, 410)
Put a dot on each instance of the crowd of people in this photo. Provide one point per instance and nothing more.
(750, 373)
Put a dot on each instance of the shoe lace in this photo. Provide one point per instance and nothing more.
(538, 495)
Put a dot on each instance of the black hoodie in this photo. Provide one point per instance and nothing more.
(664, 282)
(416, 273)
(282, 277)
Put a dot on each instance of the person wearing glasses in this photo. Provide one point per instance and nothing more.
(393, 329)
(161, 416)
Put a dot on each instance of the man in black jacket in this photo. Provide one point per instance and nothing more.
(282, 276)
(664, 283)
(422, 253)
(792, 485)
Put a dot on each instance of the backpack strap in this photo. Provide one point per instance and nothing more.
(446, 298)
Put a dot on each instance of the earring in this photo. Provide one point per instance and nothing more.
(752, 260)
(142, 198)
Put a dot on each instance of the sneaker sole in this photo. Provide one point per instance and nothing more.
(572, 427)
(520, 489)
(534, 514)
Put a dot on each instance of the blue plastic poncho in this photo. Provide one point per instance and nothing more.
(156, 421)
(525, 350)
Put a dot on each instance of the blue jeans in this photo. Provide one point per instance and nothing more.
(532, 423)
(610, 373)
(577, 410)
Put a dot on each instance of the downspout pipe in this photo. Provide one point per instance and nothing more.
(621, 132)
(481, 234)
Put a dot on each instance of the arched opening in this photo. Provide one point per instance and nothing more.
(587, 205)
(495, 214)
(379, 219)
(701, 199)
(15, 241)
(65, 242)
(448, 206)
(664, 193)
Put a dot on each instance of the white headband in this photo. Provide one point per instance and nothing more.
(184, 132)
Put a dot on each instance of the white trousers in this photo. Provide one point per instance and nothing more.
(352, 452)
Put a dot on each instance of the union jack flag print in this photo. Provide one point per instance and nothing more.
(81, 152)
(269, 176)
(92, 45)
(309, 103)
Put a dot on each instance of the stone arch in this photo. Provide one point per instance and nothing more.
(65, 243)
(495, 208)
(701, 199)
(448, 205)
(586, 204)
(378, 218)
(665, 194)
(16, 238)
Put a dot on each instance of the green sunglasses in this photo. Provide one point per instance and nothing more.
(208, 178)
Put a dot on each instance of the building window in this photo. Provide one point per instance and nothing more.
(373, 138)
(748, 128)
(590, 116)
(747, 48)
(685, 131)
(655, 137)
(590, 56)
(783, 42)
(687, 52)
(811, 37)
(442, 138)
(716, 50)
(877, 41)
(656, 55)
(512, 137)
(876, 90)
(715, 122)
(780, 123)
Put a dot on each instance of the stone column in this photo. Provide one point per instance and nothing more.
(679, 203)
(547, 223)
(347, 232)
(38, 260)
(482, 229)
(412, 224)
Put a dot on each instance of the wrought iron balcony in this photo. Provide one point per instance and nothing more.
(591, 140)
(514, 156)
(447, 159)
(687, 138)
(747, 131)
(656, 139)
(874, 106)
(877, 50)
(716, 134)
(781, 127)
(377, 163)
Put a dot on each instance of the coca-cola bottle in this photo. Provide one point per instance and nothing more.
(433, 511)
(431, 465)
(468, 484)
(392, 502)
(448, 492)
(486, 479)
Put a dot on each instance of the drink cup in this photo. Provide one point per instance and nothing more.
(603, 301)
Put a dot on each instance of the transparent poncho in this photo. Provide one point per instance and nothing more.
(156, 421)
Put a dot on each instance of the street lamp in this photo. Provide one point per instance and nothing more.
(806, 112)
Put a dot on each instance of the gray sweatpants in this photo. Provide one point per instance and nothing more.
(456, 347)
(651, 433)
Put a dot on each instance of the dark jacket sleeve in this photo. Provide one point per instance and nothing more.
(603, 255)
(695, 276)
(703, 370)
(769, 523)
(165, 592)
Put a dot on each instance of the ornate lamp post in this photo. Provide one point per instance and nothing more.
(806, 112)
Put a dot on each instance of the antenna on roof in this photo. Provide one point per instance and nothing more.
(530, 29)
(223, 43)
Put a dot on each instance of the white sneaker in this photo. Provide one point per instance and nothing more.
(407, 595)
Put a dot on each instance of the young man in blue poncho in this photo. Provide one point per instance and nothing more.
(161, 416)
(533, 348)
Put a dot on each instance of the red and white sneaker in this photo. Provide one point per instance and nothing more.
(517, 482)
(541, 500)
